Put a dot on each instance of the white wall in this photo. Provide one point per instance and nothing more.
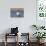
(23, 23)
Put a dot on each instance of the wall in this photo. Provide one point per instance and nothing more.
(24, 24)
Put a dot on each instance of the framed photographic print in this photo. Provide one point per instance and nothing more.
(17, 12)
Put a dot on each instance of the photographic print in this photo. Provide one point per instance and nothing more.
(17, 12)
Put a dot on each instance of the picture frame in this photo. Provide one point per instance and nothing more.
(17, 12)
